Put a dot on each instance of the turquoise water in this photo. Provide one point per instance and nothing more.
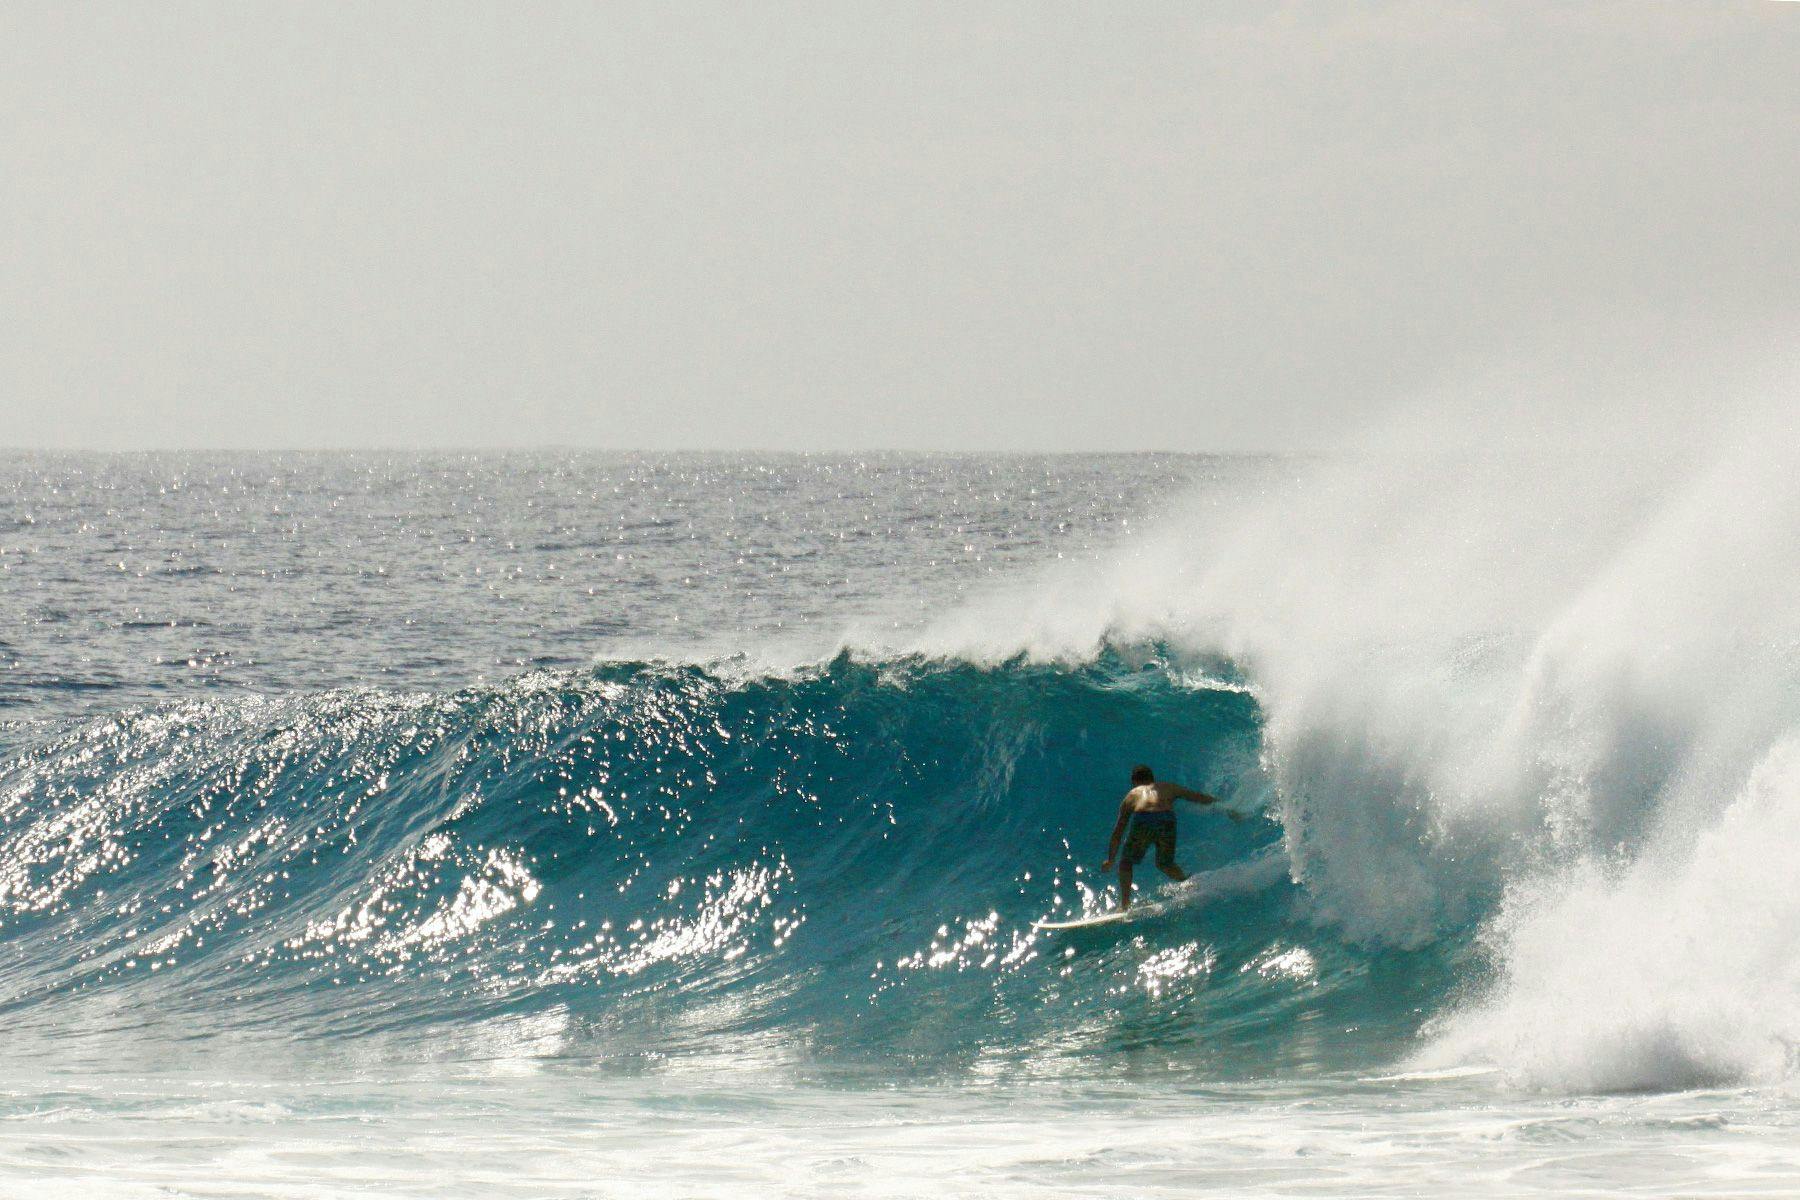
(606, 825)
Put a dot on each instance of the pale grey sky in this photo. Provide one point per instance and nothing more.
(840, 225)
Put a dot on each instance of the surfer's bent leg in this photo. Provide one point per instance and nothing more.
(1136, 846)
(1165, 855)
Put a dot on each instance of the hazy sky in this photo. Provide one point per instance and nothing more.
(840, 225)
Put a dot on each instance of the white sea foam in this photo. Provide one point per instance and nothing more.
(1678, 968)
(544, 1135)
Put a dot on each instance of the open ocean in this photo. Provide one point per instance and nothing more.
(543, 825)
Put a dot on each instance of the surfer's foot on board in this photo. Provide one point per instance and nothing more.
(1172, 870)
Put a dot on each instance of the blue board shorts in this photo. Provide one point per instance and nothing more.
(1151, 829)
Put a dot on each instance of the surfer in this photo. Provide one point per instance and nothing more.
(1149, 809)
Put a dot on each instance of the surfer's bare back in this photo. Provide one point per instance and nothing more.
(1149, 809)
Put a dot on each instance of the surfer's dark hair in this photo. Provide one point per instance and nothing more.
(1142, 774)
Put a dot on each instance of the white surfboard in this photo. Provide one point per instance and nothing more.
(1111, 918)
(1167, 894)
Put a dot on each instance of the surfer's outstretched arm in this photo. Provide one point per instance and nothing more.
(1203, 798)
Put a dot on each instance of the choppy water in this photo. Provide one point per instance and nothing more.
(603, 825)
(134, 578)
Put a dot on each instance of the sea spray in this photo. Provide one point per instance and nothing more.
(1510, 688)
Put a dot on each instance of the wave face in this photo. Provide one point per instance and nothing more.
(834, 867)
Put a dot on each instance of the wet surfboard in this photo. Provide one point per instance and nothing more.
(1143, 908)
(1111, 918)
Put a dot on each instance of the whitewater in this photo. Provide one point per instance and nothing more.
(673, 825)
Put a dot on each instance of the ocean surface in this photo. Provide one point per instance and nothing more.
(673, 825)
